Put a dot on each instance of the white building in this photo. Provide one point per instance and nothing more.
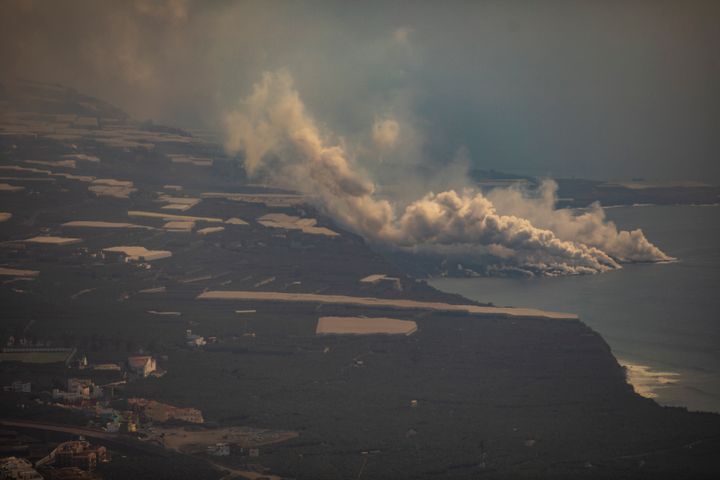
(196, 342)
(78, 389)
(219, 449)
(193, 340)
(142, 365)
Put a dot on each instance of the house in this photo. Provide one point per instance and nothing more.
(79, 454)
(196, 342)
(142, 365)
(85, 386)
(78, 389)
(67, 397)
(219, 449)
(193, 340)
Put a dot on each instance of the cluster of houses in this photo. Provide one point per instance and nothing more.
(141, 409)
(78, 389)
(154, 411)
(18, 468)
(73, 460)
(78, 454)
(114, 421)
(138, 366)
(91, 398)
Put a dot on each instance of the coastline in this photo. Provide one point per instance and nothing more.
(671, 332)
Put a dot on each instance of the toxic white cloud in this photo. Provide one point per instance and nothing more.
(282, 142)
(385, 133)
(589, 227)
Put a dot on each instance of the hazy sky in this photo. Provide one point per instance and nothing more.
(605, 89)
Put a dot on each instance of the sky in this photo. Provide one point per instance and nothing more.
(593, 89)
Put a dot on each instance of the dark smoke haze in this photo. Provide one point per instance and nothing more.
(588, 88)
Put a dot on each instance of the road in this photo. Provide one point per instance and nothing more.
(126, 442)
(114, 439)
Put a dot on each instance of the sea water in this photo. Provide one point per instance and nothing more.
(662, 321)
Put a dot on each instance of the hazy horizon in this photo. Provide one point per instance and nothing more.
(584, 89)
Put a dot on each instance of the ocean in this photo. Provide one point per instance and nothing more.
(662, 321)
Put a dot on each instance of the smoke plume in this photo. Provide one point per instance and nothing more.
(589, 227)
(283, 143)
(529, 87)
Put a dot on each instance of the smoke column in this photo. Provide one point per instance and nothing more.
(282, 143)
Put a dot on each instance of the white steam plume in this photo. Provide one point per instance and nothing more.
(589, 227)
(282, 142)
